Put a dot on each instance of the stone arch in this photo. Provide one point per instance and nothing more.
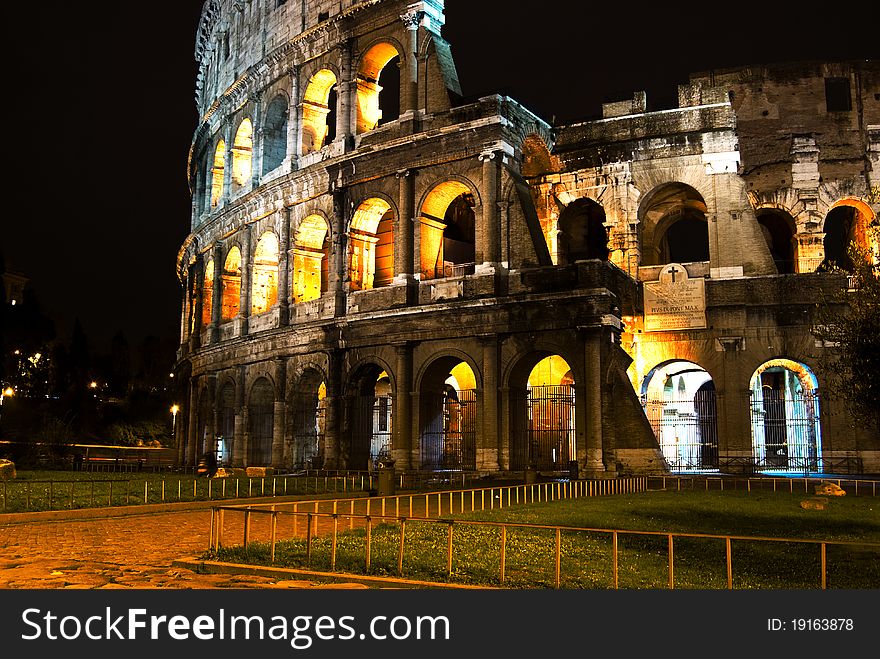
(242, 154)
(311, 256)
(218, 172)
(204, 423)
(371, 244)
(318, 111)
(275, 133)
(447, 229)
(448, 412)
(230, 280)
(379, 58)
(264, 287)
(673, 218)
(261, 421)
(785, 424)
(779, 229)
(226, 411)
(307, 402)
(581, 233)
(849, 222)
(369, 414)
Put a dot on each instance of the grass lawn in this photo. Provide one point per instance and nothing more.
(586, 556)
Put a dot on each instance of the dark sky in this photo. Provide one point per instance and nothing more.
(105, 114)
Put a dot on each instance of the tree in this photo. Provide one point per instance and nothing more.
(849, 324)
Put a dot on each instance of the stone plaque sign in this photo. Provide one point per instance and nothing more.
(675, 302)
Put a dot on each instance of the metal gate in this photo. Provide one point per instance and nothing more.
(550, 434)
(371, 430)
(261, 419)
(686, 430)
(786, 434)
(308, 433)
(449, 440)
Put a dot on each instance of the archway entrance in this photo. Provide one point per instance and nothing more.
(226, 439)
(448, 400)
(675, 228)
(679, 400)
(786, 435)
(308, 416)
(778, 229)
(370, 420)
(261, 417)
(582, 233)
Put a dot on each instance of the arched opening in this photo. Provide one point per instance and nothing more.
(582, 234)
(369, 417)
(850, 223)
(371, 245)
(208, 293)
(204, 441)
(264, 291)
(261, 419)
(275, 134)
(542, 403)
(448, 416)
(679, 400)
(310, 259)
(218, 171)
(319, 103)
(226, 431)
(231, 281)
(778, 229)
(242, 154)
(786, 435)
(378, 104)
(308, 409)
(447, 226)
(675, 228)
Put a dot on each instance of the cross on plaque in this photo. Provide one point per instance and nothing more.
(673, 271)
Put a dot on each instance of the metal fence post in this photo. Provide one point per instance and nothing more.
(558, 558)
(824, 573)
(367, 544)
(503, 550)
(671, 569)
(400, 551)
(333, 543)
(309, 539)
(272, 536)
(729, 563)
(614, 558)
(247, 528)
(449, 549)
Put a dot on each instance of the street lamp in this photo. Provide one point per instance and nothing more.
(6, 392)
(174, 410)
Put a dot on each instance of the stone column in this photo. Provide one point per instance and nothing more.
(346, 99)
(192, 431)
(403, 232)
(198, 275)
(409, 75)
(338, 252)
(733, 408)
(239, 448)
(257, 147)
(333, 413)
(488, 248)
(402, 444)
(216, 294)
(278, 413)
(488, 446)
(244, 303)
(184, 308)
(294, 121)
(284, 268)
(593, 464)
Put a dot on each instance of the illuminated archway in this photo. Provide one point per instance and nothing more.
(231, 282)
(264, 290)
(217, 173)
(778, 228)
(679, 400)
(582, 234)
(371, 245)
(850, 222)
(448, 416)
(275, 134)
(370, 419)
(308, 414)
(447, 227)
(226, 431)
(242, 154)
(208, 293)
(674, 226)
(379, 63)
(261, 421)
(786, 435)
(310, 259)
(319, 103)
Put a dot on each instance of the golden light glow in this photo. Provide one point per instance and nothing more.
(264, 292)
(208, 293)
(431, 226)
(372, 245)
(315, 110)
(866, 238)
(9, 391)
(231, 281)
(462, 377)
(217, 172)
(369, 113)
(175, 409)
(93, 385)
(310, 259)
(551, 371)
(242, 153)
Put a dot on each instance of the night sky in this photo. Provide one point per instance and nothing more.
(103, 113)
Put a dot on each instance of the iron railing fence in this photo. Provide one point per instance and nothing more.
(686, 429)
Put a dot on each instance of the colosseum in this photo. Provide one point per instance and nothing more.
(380, 267)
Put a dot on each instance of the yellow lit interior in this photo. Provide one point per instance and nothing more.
(372, 245)
(310, 259)
(217, 173)
(864, 232)
(208, 293)
(231, 279)
(550, 371)
(431, 226)
(368, 87)
(315, 110)
(462, 377)
(264, 292)
(242, 153)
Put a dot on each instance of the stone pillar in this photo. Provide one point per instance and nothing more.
(184, 310)
(192, 431)
(244, 305)
(198, 292)
(488, 446)
(334, 410)
(284, 268)
(402, 444)
(409, 75)
(346, 96)
(294, 121)
(278, 413)
(733, 406)
(403, 232)
(227, 164)
(257, 147)
(488, 248)
(239, 449)
(593, 463)
(216, 294)
(338, 252)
